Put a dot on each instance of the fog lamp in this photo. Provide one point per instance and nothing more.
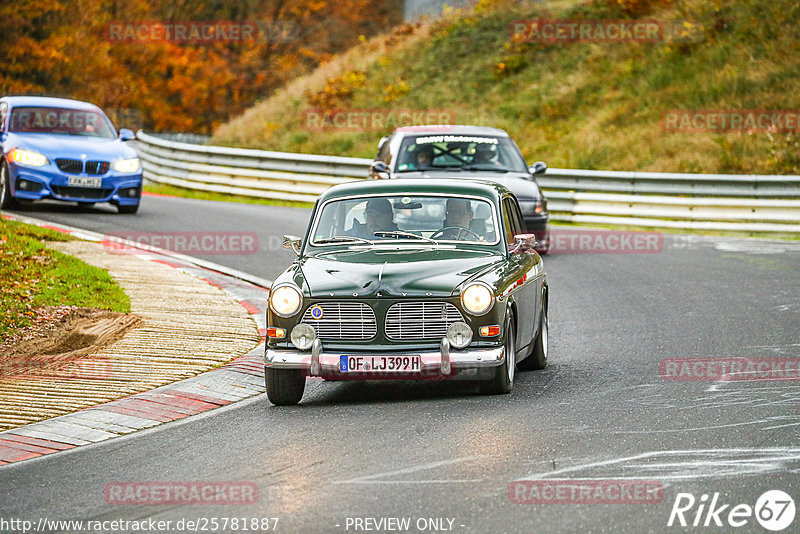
(303, 336)
(459, 335)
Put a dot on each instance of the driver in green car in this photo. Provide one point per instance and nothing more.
(457, 220)
(379, 217)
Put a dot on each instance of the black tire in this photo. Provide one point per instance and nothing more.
(537, 359)
(503, 379)
(6, 200)
(128, 209)
(284, 386)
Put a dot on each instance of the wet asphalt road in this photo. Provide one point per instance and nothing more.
(439, 451)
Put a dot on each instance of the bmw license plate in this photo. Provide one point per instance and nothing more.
(85, 181)
(380, 364)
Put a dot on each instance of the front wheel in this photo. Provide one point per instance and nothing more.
(284, 386)
(6, 200)
(503, 379)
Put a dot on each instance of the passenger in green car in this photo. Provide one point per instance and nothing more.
(379, 217)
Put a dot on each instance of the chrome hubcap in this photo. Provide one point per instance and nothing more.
(544, 335)
(510, 357)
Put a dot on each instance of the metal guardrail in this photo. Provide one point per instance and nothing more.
(751, 203)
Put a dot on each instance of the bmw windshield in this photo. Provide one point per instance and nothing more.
(459, 152)
(63, 121)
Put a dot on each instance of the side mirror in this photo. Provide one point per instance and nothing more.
(523, 243)
(292, 242)
(382, 142)
(379, 169)
(126, 135)
(538, 168)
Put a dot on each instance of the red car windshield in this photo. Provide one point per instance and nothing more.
(60, 121)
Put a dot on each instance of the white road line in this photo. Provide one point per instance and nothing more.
(370, 479)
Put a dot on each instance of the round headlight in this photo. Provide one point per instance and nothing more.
(477, 299)
(303, 336)
(285, 301)
(459, 334)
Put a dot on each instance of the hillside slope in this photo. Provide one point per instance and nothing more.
(592, 105)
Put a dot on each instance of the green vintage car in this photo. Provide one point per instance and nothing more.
(408, 279)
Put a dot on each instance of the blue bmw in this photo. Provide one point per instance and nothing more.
(65, 150)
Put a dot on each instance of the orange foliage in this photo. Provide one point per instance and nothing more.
(63, 48)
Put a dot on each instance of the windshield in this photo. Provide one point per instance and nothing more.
(418, 218)
(60, 121)
(463, 152)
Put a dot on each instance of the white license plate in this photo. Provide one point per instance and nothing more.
(380, 364)
(85, 181)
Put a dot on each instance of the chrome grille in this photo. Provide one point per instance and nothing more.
(343, 320)
(420, 320)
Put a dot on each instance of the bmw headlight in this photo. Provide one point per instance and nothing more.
(534, 207)
(285, 301)
(477, 299)
(126, 165)
(26, 157)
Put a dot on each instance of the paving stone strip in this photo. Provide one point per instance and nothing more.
(194, 320)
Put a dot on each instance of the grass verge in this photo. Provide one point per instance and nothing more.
(32, 276)
(160, 189)
(585, 105)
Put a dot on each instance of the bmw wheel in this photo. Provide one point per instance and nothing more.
(7, 201)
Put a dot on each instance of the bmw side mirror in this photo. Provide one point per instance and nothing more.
(126, 135)
(538, 168)
(292, 242)
(379, 169)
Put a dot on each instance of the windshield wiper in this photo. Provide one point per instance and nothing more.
(400, 233)
(486, 168)
(339, 238)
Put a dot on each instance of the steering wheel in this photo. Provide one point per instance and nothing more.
(459, 231)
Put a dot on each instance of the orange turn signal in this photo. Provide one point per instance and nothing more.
(277, 333)
(490, 331)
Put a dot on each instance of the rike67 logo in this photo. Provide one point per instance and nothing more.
(774, 510)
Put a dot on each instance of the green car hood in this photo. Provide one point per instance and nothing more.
(400, 273)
